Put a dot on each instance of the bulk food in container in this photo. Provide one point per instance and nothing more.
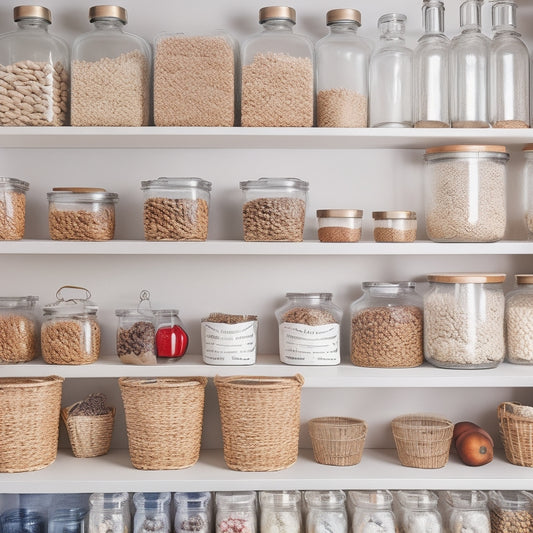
(236, 512)
(193, 512)
(110, 73)
(109, 512)
(394, 226)
(280, 510)
(465, 189)
(81, 214)
(528, 182)
(464, 320)
(342, 59)
(152, 512)
(465, 510)
(176, 209)
(326, 511)
(511, 511)
(34, 67)
(277, 73)
(372, 508)
(519, 321)
(416, 511)
(339, 225)
(12, 208)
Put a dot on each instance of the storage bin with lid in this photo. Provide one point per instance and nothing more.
(465, 510)
(236, 512)
(33, 63)
(277, 73)
(519, 321)
(465, 189)
(109, 512)
(176, 209)
(394, 226)
(170, 337)
(110, 73)
(371, 509)
(511, 511)
(152, 512)
(280, 510)
(339, 225)
(326, 511)
(12, 208)
(464, 320)
(416, 511)
(193, 512)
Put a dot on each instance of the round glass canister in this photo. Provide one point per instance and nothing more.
(339, 225)
(22, 520)
(12, 208)
(109, 512)
(193, 512)
(309, 329)
(387, 326)
(110, 73)
(176, 209)
(170, 337)
(236, 512)
(152, 512)
(464, 320)
(511, 511)
(34, 69)
(465, 511)
(81, 214)
(371, 507)
(465, 193)
(274, 209)
(394, 226)
(277, 73)
(416, 512)
(342, 72)
(72, 520)
(519, 321)
(528, 181)
(326, 511)
(280, 511)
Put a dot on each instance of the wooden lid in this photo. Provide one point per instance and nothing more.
(466, 148)
(467, 277)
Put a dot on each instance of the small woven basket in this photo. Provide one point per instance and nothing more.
(337, 441)
(260, 421)
(422, 441)
(516, 432)
(29, 422)
(164, 418)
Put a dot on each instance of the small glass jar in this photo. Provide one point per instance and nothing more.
(464, 320)
(110, 73)
(236, 512)
(465, 188)
(170, 337)
(277, 73)
(309, 329)
(152, 512)
(12, 208)
(68, 521)
(417, 512)
(193, 512)
(81, 214)
(372, 508)
(109, 512)
(339, 225)
(465, 511)
(34, 70)
(22, 520)
(528, 182)
(394, 226)
(176, 209)
(387, 326)
(280, 511)
(274, 209)
(326, 511)
(519, 321)
(510, 511)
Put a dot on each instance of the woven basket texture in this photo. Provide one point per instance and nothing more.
(29, 422)
(422, 441)
(164, 418)
(516, 432)
(260, 421)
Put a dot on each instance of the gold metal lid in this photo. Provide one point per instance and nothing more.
(78, 189)
(24, 12)
(384, 215)
(472, 277)
(339, 213)
(277, 12)
(116, 12)
(466, 148)
(524, 279)
(343, 15)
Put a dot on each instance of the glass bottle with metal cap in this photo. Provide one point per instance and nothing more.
(519, 321)
(110, 73)
(34, 66)
(277, 73)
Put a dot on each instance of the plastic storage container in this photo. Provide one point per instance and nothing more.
(152, 512)
(339, 225)
(193, 512)
(371, 509)
(510, 511)
(465, 511)
(519, 321)
(280, 511)
(394, 226)
(416, 512)
(326, 511)
(110, 73)
(236, 512)
(170, 337)
(109, 512)
(12, 208)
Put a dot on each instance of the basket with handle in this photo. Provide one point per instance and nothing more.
(516, 432)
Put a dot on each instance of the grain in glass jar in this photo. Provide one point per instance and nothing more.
(511, 511)
(519, 321)
(464, 320)
(464, 510)
(339, 225)
(152, 512)
(12, 208)
(109, 512)
(372, 508)
(464, 193)
(236, 512)
(280, 511)
(19, 331)
(394, 226)
(416, 511)
(326, 511)
(193, 512)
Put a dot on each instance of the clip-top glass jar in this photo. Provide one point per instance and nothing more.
(519, 321)
(417, 512)
(110, 73)
(34, 69)
(152, 512)
(236, 512)
(109, 512)
(280, 511)
(510, 511)
(371, 507)
(326, 511)
(193, 512)
(12, 208)
(465, 511)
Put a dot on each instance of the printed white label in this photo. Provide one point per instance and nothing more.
(229, 344)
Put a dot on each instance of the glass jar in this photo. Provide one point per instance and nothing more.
(280, 511)
(193, 512)
(34, 69)
(22, 520)
(81, 214)
(235, 512)
(70, 334)
(176, 209)
(387, 326)
(430, 69)
(417, 512)
(342, 59)
(277, 73)
(12, 208)
(465, 511)
(152, 512)
(372, 511)
(68, 521)
(274, 209)
(465, 188)
(509, 70)
(170, 337)
(19, 330)
(394, 226)
(339, 225)
(309, 329)
(390, 75)
(109, 512)
(110, 73)
(519, 321)
(528, 181)
(326, 511)
(510, 511)
(464, 320)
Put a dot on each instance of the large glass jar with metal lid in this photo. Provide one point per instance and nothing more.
(519, 321)
(34, 67)
(464, 320)
(387, 325)
(12, 208)
(416, 512)
(326, 511)
(309, 329)
(152, 512)
(70, 334)
(280, 511)
(465, 510)
(109, 512)
(277, 73)
(110, 73)
(511, 511)
(371, 508)
(236, 512)
(342, 72)
(176, 209)
(193, 512)
(465, 189)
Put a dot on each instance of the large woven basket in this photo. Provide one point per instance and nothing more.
(29, 422)
(164, 418)
(516, 432)
(260, 421)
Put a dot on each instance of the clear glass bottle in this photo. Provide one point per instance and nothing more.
(391, 76)
(109, 512)
(277, 73)
(430, 70)
(469, 70)
(416, 511)
(12, 208)
(152, 512)
(342, 59)
(465, 511)
(519, 321)
(193, 512)
(510, 511)
(372, 511)
(280, 511)
(34, 67)
(528, 183)
(110, 73)
(236, 512)
(326, 511)
(171, 340)
(509, 70)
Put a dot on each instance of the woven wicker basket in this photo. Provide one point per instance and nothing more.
(29, 422)
(164, 419)
(422, 441)
(516, 432)
(260, 421)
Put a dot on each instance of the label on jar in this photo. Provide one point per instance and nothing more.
(229, 344)
(300, 344)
